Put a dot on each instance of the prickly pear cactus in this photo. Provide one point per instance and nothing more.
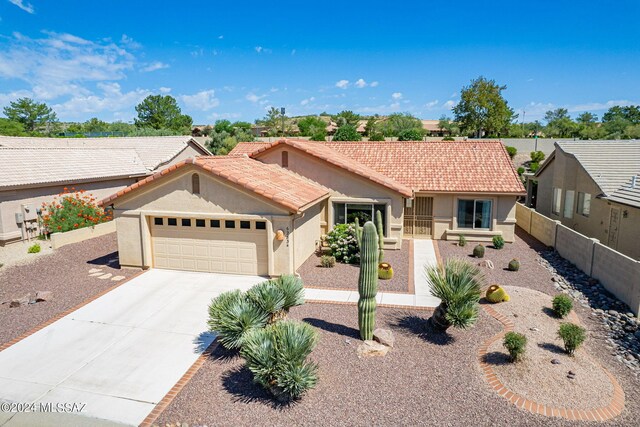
(368, 281)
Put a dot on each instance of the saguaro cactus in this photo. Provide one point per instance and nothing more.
(368, 281)
(358, 231)
(380, 236)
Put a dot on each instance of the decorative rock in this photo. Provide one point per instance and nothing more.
(555, 361)
(17, 302)
(534, 329)
(44, 296)
(486, 263)
(117, 278)
(105, 276)
(372, 348)
(95, 270)
(384, 337)
(99, 273)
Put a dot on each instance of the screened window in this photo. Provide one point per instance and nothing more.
(172, 221)
(261, 225)
(195, 183)
(200, 223)
(474, 214)
(285, 159)
(584, 204)
(215, 223)
(557, 201)
(158, 221)
(229, 224)
(568, 203)
(186, 222)
(346, 213)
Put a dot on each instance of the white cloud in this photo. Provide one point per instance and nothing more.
(60, 63)
(374, 84)
(429, 105)
(220, 37)
(537, 110)
(154, 66)
(342, 84)
(308, 100)
(449, 104)
(396, 95)
(165, 89)
(360, 83)
(252, 97)
(27, 7)
(258, 49)
(202, 101)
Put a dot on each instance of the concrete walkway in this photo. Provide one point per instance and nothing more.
(423, 254)
(119, 355)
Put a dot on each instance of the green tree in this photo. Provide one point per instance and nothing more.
(347, 133)
(162, 112)
(559, 124)
(346, 117)
(32, 115)
(446, 124)
(226, 135)
(587, 118)
(377, 136)
(95, 125)
(311, 125)
(411, 135)
(630, 113)
(11, 128)
(371, 126)
(121, 127)
(272, 121)
(319, 135)
(482, 110)
(399, 123)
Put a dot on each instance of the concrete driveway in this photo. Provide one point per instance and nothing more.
(117, 356)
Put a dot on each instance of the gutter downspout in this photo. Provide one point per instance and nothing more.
(293, 254)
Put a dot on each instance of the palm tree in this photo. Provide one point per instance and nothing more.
(458, 285)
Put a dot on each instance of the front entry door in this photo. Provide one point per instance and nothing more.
(418, 218)
(614, 225)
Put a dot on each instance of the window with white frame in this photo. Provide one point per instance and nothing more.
(584, 203)
(346, 213)
(557, 201)
(569, 195)
(474, 213)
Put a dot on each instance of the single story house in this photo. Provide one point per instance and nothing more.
(593, 187)
(34, 170)
(264, 208)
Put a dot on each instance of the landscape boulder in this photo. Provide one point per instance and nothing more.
(384, 337)
(44, 296)
(371, 348)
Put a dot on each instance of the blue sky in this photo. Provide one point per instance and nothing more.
(235, 59)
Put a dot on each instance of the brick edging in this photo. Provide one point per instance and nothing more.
(612, 410)
(66, 312)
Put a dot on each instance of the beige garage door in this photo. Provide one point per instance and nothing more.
(210, 245)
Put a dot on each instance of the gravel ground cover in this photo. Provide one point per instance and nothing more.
(535, 377)
(345, 276)
(16, 253)
(65, 272)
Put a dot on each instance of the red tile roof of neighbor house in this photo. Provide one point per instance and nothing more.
(323, 151)
(474, 166)
(269, 181)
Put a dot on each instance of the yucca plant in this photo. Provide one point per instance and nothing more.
(269, 298)
(293, 290)
(232, 316)
(277, 357)
(457, 283)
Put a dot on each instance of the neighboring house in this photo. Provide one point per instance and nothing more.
(264, 208)
(593, 187)
(34, 170)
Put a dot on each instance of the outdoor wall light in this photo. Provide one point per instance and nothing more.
(280, 235)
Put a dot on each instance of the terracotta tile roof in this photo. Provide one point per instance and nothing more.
(21, 167)
(460, 166)
(247, 148)
(323, 151)
(154, 151)
(475, 166)
(269, 181)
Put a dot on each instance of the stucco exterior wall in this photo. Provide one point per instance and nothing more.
(344, 186)
(11, 201)
(172, 196)
(566, 173)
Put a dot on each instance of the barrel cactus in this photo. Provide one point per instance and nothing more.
(514, 265)
(385, 271)
(478, 251)
(368, 281)
(496, 294)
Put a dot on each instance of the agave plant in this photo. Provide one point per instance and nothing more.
(458, 285)
(277, 357)
(232, 316)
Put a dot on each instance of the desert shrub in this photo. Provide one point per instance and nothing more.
(71, 210)
(534, 166)
(457, 283)
(520, 170)
(327, 261)
(572, 335)
(277, 357)
(512, 151)
(515, 344)
(498, 242)
(462, 241)
(376, 136)
(34, 249)
(344, 244)
(562, 305)
(411, 135)
(478, 251)
(537, 156)
(448, 138)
